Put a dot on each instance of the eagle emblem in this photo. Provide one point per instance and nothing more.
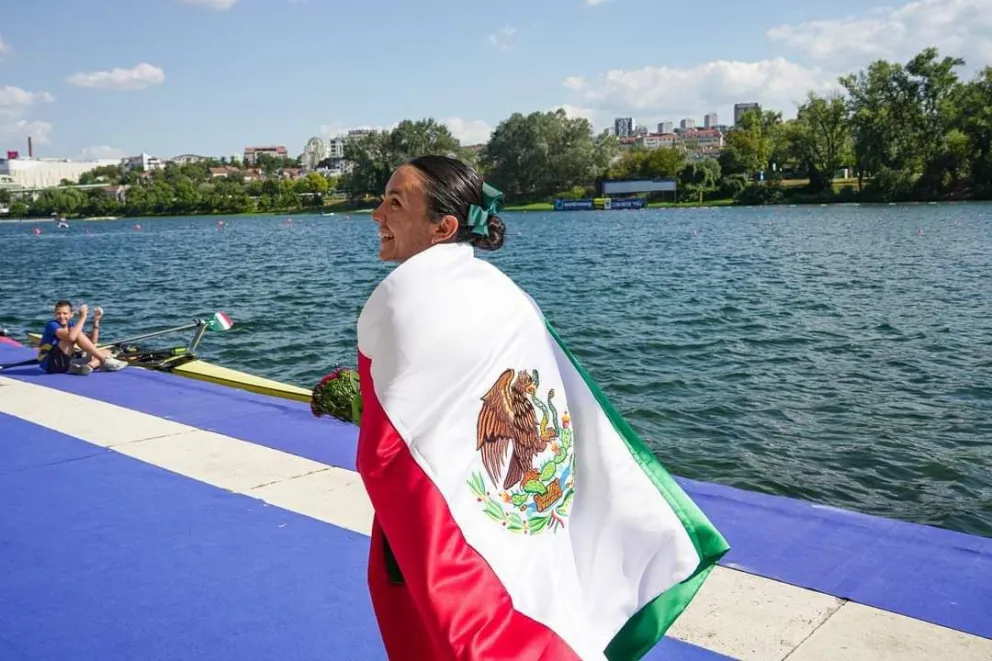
(528, 463)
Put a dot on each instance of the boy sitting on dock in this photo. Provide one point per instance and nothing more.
(57, 351)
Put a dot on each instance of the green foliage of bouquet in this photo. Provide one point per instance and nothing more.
(338, 395)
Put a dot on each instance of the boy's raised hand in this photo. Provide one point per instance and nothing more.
(83, 310)
(97, 315)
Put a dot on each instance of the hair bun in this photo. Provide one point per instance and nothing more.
(494, 241)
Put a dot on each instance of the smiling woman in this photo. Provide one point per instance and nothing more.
(516, 514)
(437, 199)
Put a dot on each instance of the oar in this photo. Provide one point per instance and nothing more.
(23, 363)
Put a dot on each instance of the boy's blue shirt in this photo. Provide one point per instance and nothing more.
(49, 340)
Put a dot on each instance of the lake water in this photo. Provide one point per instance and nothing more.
(840, 354)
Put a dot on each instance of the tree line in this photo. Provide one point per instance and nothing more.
(179, 190)
(913, 131)
(910, 131)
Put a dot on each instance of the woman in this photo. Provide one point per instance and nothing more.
(517, 515)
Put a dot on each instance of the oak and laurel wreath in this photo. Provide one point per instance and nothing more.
(535, 523)
(339, 396)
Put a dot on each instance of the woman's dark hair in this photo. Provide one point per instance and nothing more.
(451, 188)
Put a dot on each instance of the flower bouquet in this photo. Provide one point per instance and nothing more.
(338, 396)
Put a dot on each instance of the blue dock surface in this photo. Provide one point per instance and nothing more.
(105, 556)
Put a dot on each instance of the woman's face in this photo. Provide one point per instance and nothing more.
(404, 226)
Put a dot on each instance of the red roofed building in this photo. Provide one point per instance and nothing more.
(252, 153)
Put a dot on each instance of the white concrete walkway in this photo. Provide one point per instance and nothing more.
(736, 614)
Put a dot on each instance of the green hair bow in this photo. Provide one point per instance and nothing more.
(478, 217)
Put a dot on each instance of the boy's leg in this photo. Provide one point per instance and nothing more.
(98, 357)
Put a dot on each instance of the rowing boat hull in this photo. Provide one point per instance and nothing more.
(204, 371)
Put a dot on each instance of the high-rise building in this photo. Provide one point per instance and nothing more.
(314, 152)
(335, 147)
(741, 108)
(665, 127)
(623, 127)
(710, 120)
(687, 123)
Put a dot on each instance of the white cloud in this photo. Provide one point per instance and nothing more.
(15, 99)
(593, 3)
(957, 27)
(14, 104)
(3, 46)
(833, 48)
(136, 78)
(503, 38)
(575, 112)
(39, 132)
(469, 131)
(656, 93)
(100, 151)
(219, 5)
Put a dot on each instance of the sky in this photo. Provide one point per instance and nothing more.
(107, 78)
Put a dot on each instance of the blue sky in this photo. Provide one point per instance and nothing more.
(112, 77)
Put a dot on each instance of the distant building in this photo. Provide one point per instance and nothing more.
(659, 140)
(640, 130)
(355, 134)
(314, 152)
(188, 159)
(666, 127)
(252, 153)
(741, 108)
(143, 163)
(623, 127)
(687, 123)
(710, 120)
(335, 147)
(703, 140)
(46, 172)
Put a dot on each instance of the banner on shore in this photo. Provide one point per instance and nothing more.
(602, 204)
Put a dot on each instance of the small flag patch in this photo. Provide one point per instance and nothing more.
(220, 322)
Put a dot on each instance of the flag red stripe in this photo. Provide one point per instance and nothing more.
(451, 604)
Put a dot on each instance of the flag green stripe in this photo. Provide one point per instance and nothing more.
(649, 624)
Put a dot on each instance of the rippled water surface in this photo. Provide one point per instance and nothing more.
(838, 354)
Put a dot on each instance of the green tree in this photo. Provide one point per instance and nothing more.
(818, 139)
(976, 126)
(18, 209)
(374, 156)
(640, 163)
(699, 177)
(754, 144)
(535, 156)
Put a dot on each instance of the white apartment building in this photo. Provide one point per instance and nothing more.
(143, 163)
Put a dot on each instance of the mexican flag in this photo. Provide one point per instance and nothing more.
(517, 515)
(220, 322)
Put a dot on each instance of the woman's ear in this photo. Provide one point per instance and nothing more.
(445, 230)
